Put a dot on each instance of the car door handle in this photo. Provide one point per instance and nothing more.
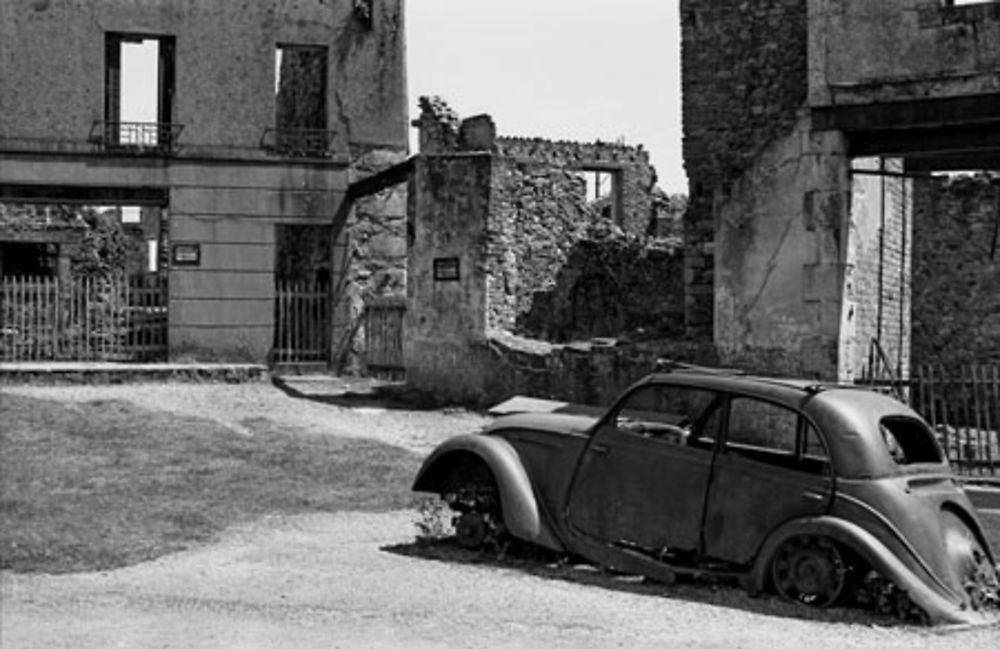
(603, 449)
(812, 495)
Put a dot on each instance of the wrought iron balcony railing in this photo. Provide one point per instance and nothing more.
(298, 142)
(136, 137)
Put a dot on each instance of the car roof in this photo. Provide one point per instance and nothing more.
(848, 415)
(790, 391)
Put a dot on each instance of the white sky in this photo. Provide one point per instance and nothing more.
(139, 66)
(559, 69)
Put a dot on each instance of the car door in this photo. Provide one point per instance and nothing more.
(771, 467)
(642, 480)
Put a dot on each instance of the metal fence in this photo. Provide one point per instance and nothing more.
(302, 322)
(962, 404)
(83, 319)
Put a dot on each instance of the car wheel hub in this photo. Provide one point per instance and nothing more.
(809, 570)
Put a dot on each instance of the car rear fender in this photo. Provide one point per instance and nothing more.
(521, 514)
(941, 606)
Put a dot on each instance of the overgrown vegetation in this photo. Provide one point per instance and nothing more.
(101, 246)
(106, 484)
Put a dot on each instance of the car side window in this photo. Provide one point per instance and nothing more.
(662, 411)
(812, 446)
(908, 441)
(759, 425)
(770, 433)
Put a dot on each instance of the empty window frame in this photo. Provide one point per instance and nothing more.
(908, 441)
(601, 190)
(666, 412)
(300, 88)
(138, 90)
(600, 183)
(759, 425)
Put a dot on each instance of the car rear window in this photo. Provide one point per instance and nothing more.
(909, 441)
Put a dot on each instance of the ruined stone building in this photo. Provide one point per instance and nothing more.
(805, 125)
(542, 241)
(956, 269)
(235, 131)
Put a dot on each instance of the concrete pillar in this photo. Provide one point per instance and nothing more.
(447, 275)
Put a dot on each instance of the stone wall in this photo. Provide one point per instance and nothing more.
(744, 79)
(369, 256)
(956, 270)
(631, 204)
(878, 262)
(586, 373)
(611, 286)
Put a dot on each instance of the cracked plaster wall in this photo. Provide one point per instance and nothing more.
(862, 51)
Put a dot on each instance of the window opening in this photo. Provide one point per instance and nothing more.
(300, 83)
(663, 411)
(813, 448)
(760, 425)
(908, 441)
(139, 87)
(600, 183)
(600, 189)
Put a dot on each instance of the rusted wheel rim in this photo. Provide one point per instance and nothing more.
(809, 570)
(470, 530)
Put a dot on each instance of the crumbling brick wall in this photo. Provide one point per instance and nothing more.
(744, 75)
(956, 270)
(555, 258)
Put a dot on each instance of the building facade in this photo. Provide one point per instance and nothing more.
(243, 123)
(805, 124)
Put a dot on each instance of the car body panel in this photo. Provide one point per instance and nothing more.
(849, 418)
(520, 506)
(739, 485)
(613, 493)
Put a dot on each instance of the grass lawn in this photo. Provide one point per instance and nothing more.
(105, 484)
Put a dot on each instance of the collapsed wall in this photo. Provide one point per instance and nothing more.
(557, 241)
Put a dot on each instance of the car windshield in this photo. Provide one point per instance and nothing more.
(909, 441)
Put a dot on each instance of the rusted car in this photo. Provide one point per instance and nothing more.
(822, 493)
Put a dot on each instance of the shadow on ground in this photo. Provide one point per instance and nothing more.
(548, 565)
(357, 393)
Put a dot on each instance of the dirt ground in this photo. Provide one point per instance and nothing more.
(357, 580)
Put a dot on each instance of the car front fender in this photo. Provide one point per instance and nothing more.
(521, 514)
(941, 606)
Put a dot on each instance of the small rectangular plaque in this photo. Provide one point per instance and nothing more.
(187, 254)
(446, 269)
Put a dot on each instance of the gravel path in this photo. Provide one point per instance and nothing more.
(333, 581)
(316, 411)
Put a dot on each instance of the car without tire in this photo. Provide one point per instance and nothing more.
(823, 493)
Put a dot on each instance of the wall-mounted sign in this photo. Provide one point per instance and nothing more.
(446, 269)
(187, 254)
